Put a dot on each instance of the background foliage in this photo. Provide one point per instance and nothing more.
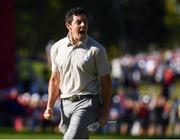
(117, 24)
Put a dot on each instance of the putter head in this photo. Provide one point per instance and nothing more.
(93, 127)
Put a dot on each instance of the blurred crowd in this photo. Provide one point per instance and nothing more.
(147, 113)
(145, 116)
(152, 112)
(153, 68)
(25, 112)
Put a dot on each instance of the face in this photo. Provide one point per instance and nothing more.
(78, 28)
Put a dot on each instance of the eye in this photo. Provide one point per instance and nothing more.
(78, 22)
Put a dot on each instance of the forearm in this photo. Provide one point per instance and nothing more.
(106, 93)
(53, 91)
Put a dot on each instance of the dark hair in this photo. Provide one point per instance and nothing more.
(74, 11)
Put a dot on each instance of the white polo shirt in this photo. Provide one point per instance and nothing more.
(79, 66)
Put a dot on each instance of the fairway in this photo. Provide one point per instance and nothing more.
(7, 134)
(11, 134)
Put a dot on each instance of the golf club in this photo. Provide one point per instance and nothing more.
(94, 126)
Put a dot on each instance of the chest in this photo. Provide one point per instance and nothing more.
(78, 58)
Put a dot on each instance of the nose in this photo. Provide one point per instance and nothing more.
(83, 24)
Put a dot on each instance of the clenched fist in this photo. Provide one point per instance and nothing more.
(48, 114)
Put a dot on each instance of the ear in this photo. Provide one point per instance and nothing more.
(68, 26)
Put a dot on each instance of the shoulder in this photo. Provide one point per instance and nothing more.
(93, 43)
(59, 44)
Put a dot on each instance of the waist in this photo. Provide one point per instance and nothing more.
(76, 98)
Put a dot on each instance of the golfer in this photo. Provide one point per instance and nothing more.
(80, 77)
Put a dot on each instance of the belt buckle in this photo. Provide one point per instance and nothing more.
(73, 98)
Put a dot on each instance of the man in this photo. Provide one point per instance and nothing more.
(81, 71)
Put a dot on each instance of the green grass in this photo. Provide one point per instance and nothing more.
(11, 134)
(47, 135)
(50, 135)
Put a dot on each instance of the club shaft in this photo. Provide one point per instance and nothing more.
(112, 121)
(117, 121)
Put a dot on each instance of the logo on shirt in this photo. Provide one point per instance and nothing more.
(85, 58)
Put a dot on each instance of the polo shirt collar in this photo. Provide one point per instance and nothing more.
(81, 43)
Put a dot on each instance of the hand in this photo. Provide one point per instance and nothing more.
(48, 114)
(103, 118)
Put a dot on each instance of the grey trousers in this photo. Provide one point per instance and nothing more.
(76, 116)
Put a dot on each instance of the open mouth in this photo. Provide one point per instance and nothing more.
(82, 32)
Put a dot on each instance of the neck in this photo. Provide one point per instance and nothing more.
(74, 40)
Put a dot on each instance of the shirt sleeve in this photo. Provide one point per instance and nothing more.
(102, 62)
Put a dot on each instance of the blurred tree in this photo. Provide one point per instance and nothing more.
(172, 22)
(38, 21)
(129, 24)
(143, 20)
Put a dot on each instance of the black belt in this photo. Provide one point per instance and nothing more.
(76, 98)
